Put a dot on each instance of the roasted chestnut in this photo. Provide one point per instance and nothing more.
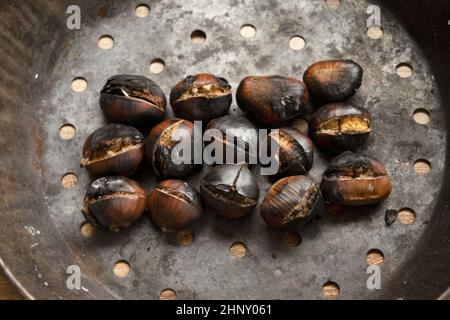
(238, 136)
(230, 191)
(289, 199)
(293, 151)
(173, 205)
(333, 80)
(338, 127)
(354, 179)
(163, 148)
(272, 100)
(202, 97)
(132, 100)
(114, 202)
(114, 148)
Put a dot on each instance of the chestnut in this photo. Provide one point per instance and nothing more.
(272, 100)
(132, 99)
(230, 191)
(114, 202)
(173, 205)
(294, 151)
(354, 179)
(339, 127)
(162, 149)
(289, 199)
(238, 136)
(333, 80)
(202, 97)
(114, 148)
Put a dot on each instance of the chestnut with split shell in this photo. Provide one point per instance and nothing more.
(354, 179)
(230, 191)
(290, 199)
(174, 205)
(339, 127)
(202, 97)
(131, 99)
(115, 148)
(272, 100)
(333, 80)
(293, 151)
(114, 202)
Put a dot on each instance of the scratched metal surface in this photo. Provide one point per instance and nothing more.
(333, 248)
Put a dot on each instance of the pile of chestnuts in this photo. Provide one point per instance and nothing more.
(116, 151)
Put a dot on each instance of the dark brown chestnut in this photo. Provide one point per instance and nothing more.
(293, 151)
(339, 127)
(115, 148)
(230, 191)
(173, 205)
(239, 138)
(333, 80)
(114, 202)
(289, 199)
(354, 179)
(272, 100)
(202, 97)
(132, 99)
(162, 149)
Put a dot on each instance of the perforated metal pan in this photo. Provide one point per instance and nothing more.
(40, 219)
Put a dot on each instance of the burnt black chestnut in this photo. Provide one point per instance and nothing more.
(272, 100)
(354, 179)
(289, 199)
(114, 202)
(173, 205)
(230, 191)
(333, 80)
(294, 151)
(114, 148)
(338, 127)
(161, 147)
(238, 136)
(202, 97)
(132, 99)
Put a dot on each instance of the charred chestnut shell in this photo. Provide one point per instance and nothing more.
(230, 191)
(289, 199)
(161, 148)
(238, 136)
(114, 202)
(132, 99)
(338, 127)
(202, 97)
(333, 80)
(272, 100)
(294, 151)
(354, 179)
(173, 205)
(114, 148)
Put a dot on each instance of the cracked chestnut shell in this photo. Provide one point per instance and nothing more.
(230, 191)
(289, 199)
(339, 127)
(272, 100)
(238, 136)
(333, 80)
(202, 97)
(294, 151)
(132, 99)
(114, 148)
(173, 205)
(114, 202)
(163, 148)
(354, 179)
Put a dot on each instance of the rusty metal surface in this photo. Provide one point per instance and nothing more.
(40, 233)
